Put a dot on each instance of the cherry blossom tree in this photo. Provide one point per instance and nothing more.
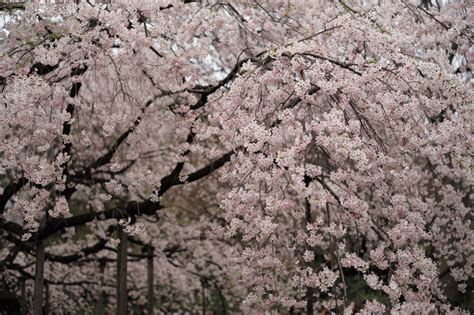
(321, 149)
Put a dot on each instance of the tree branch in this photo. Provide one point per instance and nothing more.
(133, 208)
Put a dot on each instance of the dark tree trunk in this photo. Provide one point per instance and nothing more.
(39, 279)
(309, 301)
(46, 299)
(23, 296)
(100, 306)
(122, 273)
(150, 279)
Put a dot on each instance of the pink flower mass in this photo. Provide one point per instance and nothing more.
(236, 157)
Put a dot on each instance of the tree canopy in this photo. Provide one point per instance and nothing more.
(273, 155)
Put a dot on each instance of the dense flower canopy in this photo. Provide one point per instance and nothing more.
(322, 149)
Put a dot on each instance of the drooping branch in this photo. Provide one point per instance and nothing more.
(107, 157)
(5, 6)
(64, 259)
(130, 209)
(171, 179)
(208, 169)
(10, 257)
(133, 208)
(27, 275)
(205, 92)
(341, 64)
(11, 227)
(10, 191)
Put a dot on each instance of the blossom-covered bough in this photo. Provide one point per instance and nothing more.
(322, 149)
